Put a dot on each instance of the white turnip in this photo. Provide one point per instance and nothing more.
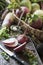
(11, 42)
(22, 38)
(9, 18)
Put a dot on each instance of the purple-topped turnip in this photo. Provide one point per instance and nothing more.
(11, 42)
(9, 19)
(37, 24)
(23, 9)
(37, 19)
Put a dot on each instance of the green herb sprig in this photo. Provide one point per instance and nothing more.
(4, 33)
(14, 5)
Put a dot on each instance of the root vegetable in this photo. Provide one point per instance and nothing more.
(22, 38)
(4, 14)
(37, 24)
(25, 9)
(8, 20)
(5, 25)
(18, 12)
(11, 42)
(31, 31)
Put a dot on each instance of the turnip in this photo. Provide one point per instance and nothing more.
(38, 13)
(22, 38)
(37, 19)
(11, 42)
(31, 31)
(9, 18)
(23, 9)
(37, 24)
(26, 3)
(35, 7)
(18, 12)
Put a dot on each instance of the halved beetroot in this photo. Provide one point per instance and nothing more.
(11, 42)
(20, 47)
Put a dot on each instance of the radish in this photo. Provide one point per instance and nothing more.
(38, 13)
(37, 24)
(6, 23)
(11, 42)
(18, 12)
(9, 18)
(22, 38)
(11, 46)
(25, 9)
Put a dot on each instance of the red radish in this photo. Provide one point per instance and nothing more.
(11, 46)
(11, 42)
(20, 48)
(25, 9)
(18, 12)
(9, 18)
(22, 38)
(37, 24)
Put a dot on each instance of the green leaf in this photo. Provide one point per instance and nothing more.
(4, 33)
(35, 17)
(13, 5)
